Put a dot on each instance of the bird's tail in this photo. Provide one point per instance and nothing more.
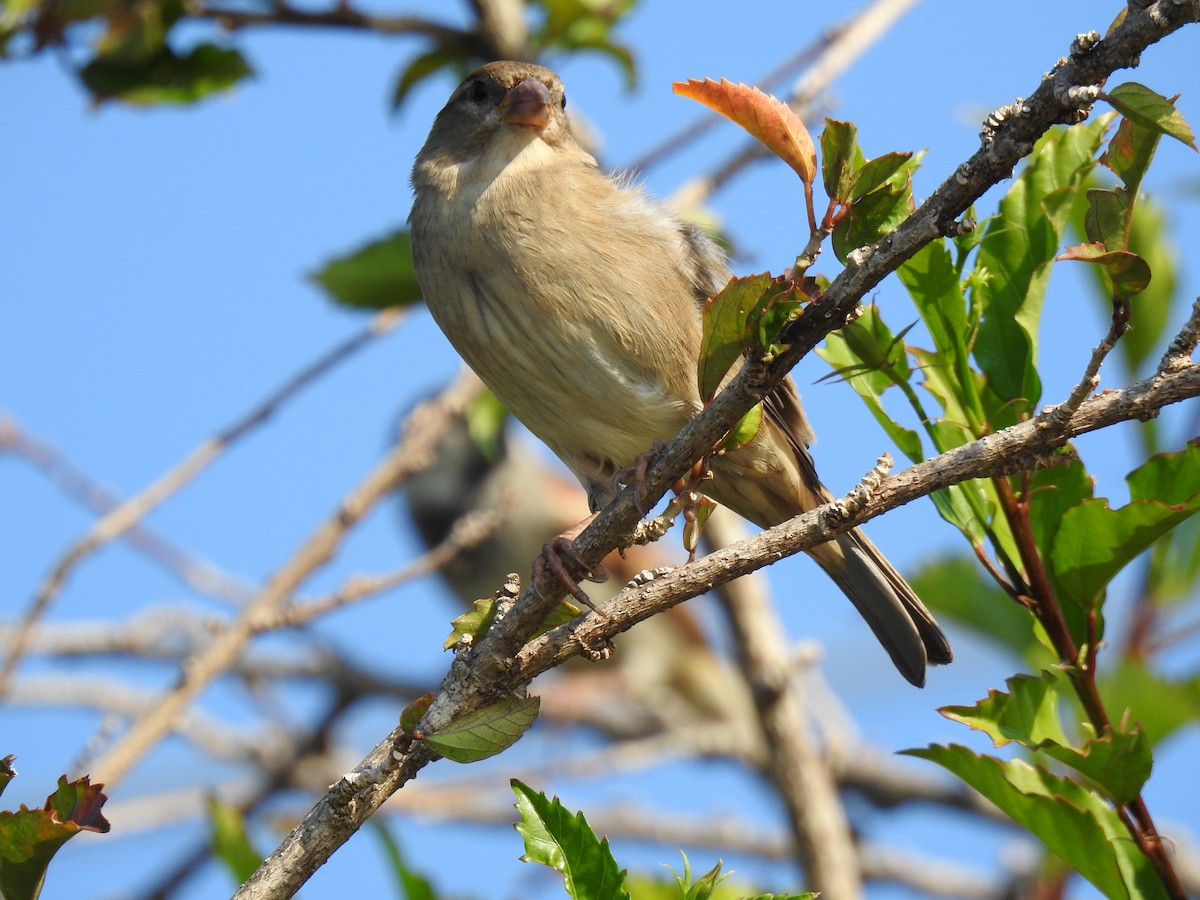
(897, 616)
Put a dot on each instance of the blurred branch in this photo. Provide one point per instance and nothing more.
(198, 574)
(467, 532)
(501, 663)
(820, 830)
(423, 431)
(341, 15)
(122, 518)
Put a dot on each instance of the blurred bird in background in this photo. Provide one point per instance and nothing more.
(664, 671)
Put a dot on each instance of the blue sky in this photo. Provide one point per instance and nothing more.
(155, 288)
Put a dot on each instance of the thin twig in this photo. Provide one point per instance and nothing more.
(467, 532)
(424, 430)
(121, 519)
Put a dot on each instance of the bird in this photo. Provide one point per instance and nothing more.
(578, 301)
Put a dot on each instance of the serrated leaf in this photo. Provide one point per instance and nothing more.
(474, 623)
(1074, 823)
(1151, 109)
(230, 842)
(1094, 542)
(565, 842)
(1028, 713)
(378, 275)
(1118, 763)
(484, 732)
(29, 838)
(840, 156)
(768, 119)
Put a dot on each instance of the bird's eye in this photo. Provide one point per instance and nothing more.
(563, 103)
(477, 92)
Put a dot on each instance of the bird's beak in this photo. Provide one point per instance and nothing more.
(527, 103)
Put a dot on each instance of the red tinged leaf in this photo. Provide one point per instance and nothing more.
(767, 118)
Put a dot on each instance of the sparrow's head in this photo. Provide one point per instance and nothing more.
(500, 108)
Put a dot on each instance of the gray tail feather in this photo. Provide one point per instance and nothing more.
(897, 616)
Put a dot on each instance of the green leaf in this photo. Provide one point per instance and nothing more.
(957, 588)
(1074, 823)
(1160, 705)
(1107, 218)
(1172, 478)
(744, 431)
(872, 359)
(1118, 763)
(1027, 714)
(166, 77)
(840, 156)
(1053, 491)
(484, 732)
(566, 843)
(724, 338)
(1095, 542)
(230, 843)
(29, 838)
(585, 25)
(1151, 240)
(413, 885)
(425, 64)
(932, 280)
(1013, 265)
(378, 275)
(871, 218)
(473, 623)
(1129, 153)
(479, 618)
(1153, 110)
(877, 172)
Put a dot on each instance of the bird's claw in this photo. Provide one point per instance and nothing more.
(556, 560)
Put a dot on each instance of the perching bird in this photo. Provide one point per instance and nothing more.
(578, 301)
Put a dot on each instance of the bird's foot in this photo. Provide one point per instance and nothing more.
(635, 475)
(561, 561)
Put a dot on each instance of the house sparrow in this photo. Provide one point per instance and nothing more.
(578, 302)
